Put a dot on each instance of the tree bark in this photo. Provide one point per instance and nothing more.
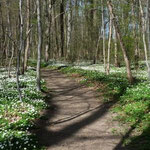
(109, 46)
(62, 27)
(55, 26)
(20, 49)
(11, 59)
(28, 37)
(144, 37)
(48, 28)
(116, 49)
(68, 28)
(8, 32)
(126, 59)
(148, 24)
(136, 57)
(38, 3)
(103, 30)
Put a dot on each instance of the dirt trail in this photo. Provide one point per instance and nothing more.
(76, 120)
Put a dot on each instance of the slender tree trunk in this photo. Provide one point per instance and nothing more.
(116, 49)
(28, 37)
(38, 3)
(144, 37)
(48, 28)
(148, 24)
(97, 47)
(136, 58)
(62, 27)
(3, 39)
(69, 28)
(126, 59)
(109, 46)
(57, 52)
(20, 49)
(103, 30)
(9, 33)
(11, 59)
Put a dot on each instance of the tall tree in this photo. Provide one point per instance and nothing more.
(20, 48)
(103, 32)
(38, 3)
(116, 49)
(135, 34)
(126, 59)
(109, 45)
(28, 36)
(48, 11)
(144, 37)
(69, 27)
(62, 27)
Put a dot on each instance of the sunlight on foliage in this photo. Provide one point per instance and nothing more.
(133, 101)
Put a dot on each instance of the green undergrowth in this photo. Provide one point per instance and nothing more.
(133, 102)
(17, 117)
(33, 63)
(115, 84)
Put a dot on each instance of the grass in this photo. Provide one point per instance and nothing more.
(16, 117)
(115, 83)
(33, 63)
(133, 106)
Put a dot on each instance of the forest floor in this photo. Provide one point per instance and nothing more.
(77, 118)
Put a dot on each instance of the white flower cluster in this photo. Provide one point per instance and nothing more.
(16, 116)
(142, 74)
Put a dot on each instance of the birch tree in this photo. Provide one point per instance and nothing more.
(69, 28)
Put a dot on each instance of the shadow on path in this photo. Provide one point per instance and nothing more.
(49, 138)
(79, 120)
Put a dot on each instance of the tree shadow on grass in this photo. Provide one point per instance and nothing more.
(141, 142)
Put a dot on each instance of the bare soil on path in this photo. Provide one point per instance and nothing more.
(77, 119)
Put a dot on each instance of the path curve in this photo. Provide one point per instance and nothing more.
(76, 119)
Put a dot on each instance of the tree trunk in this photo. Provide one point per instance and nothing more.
(109, 46)
(11, 59)
(144, 37)
(69, 29)
(126, 59)
(148, 24)
(62, 27)
(48, 28)
(38, 3)
(116, 49)
(136, 58)
(20, 49)
(57, 51)
(3, 36)
(103, 30)
(9, 33)
(28, 37)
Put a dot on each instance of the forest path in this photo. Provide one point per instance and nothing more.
(76, 119)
